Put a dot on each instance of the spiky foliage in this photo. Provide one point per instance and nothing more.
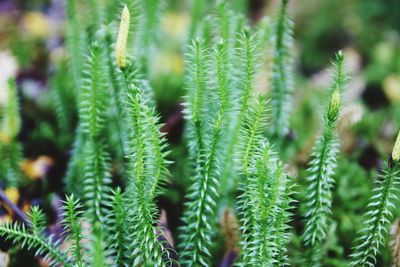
(254, 126)
(75, 167)
(320, 180)
(203, 195)
(97, 252)
(96, 180)
(63, 98)
(265, 197)
(146, 170)
(73, 229)
(379, 213)
(117, 131)
(270, 201)
(223, 19)
(115, 56)
(245, 64)
(82, 243)
(281, 80)
(35, 239)
(92, 115)
(194, 106)
(93, 95)
(229, 153)
(10, 148)
(117, 228)
(76, 42)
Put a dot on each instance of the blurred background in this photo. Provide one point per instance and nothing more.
(368, 31)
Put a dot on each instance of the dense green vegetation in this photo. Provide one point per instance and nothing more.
(205, 146)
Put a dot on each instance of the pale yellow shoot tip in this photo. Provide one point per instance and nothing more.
(396, 149)
(335, 102)
(122, 39)
(334, 106)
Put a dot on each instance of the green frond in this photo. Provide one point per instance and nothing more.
(97, 252)
(251, 139)
(117, 227)
(75, 167)
(269, 199)
(89, 162)
(196, 92)
(249, 64)
(76, 41)
(224, 15)
(267, 193)
(146, 169)
(73, 229)
(38, 220)
(282, 75)
(63, 98)
(223, 82)
(34, 240)
(93, 95)
(145, 141)
(88, 145)
(136, 125)
(244, 69)
(117, 131)
(97, 180)
(203, 196)
(320, 181)
(158, 163)
(282, 234)
(147, 245)
(253, 130)
(378, 216)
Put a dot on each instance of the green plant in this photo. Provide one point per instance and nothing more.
(282, 84)
(379, 212)
(236, 143)
(10, 148)
(318, 196)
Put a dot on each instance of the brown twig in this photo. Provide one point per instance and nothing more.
(22, 216)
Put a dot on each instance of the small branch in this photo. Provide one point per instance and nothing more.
(22, 216)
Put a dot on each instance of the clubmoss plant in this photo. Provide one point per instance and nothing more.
(320, 173)
(379, 212)
(282, 75)
(120, 167)
(132, 216)
(205, 182)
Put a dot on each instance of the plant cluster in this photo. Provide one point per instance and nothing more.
(236, 140)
